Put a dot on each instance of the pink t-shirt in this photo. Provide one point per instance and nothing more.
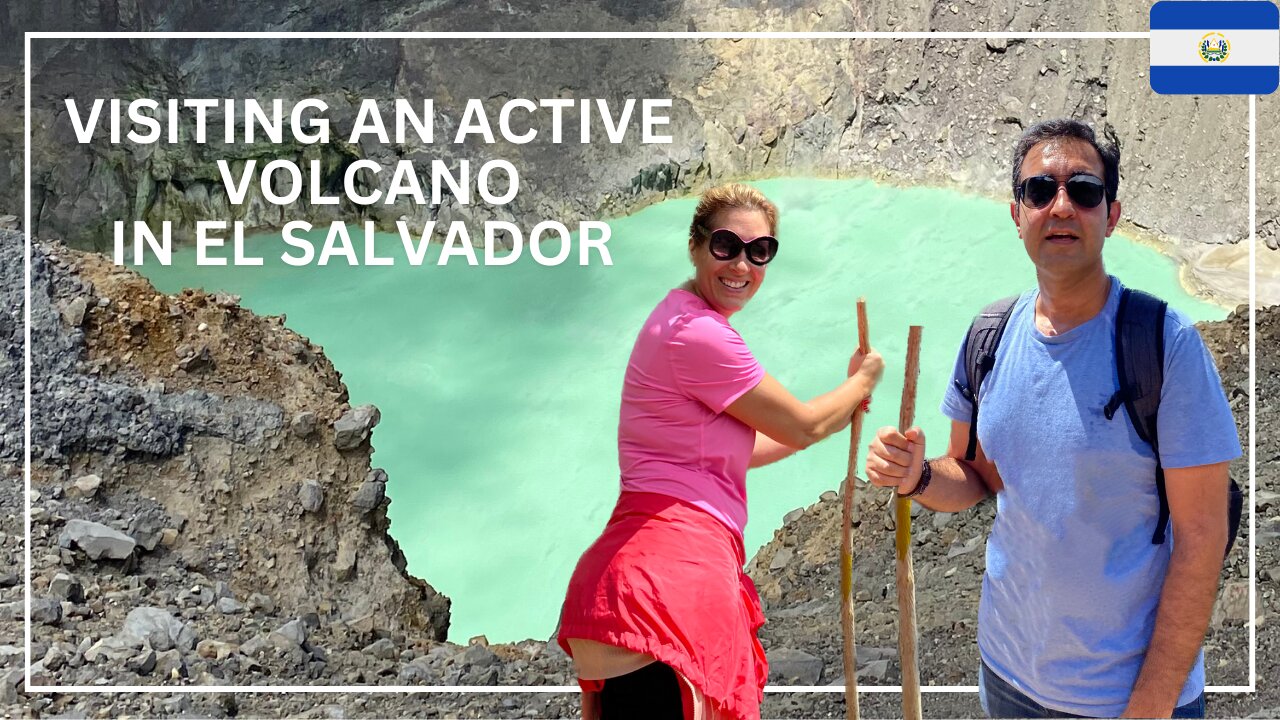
(674, 437)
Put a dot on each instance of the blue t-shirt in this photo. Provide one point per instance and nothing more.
(1072, 581)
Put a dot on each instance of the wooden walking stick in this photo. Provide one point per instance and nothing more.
(846, 541)
(902, 541)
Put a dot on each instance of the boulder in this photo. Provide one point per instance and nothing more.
(97, 540)
(143, 663)
(113, 649)
(383, 649)
(303, 424)
(794, 667)
(10, 684)
(781, 558)
(67, 587)
(85, 486)
(417, 672)
(215, 649)
(46, 611)
(479, 655)
(169, 665)
(354, 427)
(73, 312)
(158, 629)
(344, 566)
(290, 635)
(371, 492)
(147, 528)
(311, 495)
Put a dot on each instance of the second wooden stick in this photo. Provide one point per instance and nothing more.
(902, 540)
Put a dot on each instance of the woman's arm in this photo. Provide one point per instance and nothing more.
(777, 414)
(768, 451)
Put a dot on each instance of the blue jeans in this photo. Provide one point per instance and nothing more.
(1002, 700)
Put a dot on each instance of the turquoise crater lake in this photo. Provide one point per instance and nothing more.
(499, 386)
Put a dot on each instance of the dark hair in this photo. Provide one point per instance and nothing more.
(727, 197)
(1067, 128)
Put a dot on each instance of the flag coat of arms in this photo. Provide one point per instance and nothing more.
(1219, 47)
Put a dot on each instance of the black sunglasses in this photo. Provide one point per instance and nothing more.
(1084, 190)
(725, 244)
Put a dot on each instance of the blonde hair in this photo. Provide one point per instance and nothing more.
(728, 197)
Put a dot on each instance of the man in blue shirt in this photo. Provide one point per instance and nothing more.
(1081, 615)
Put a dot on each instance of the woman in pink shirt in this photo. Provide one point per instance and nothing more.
(660, 619)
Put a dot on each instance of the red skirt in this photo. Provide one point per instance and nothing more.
(665, 579)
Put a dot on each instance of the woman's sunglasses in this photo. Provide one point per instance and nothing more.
(1038, 191)
(725, 244)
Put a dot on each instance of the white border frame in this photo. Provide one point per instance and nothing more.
(384, 689)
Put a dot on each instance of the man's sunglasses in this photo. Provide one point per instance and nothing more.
(725, 244)
(1038, 191)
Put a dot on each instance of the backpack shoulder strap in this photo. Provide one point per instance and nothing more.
(1139, 361)
(1139, 351)
(980, 356)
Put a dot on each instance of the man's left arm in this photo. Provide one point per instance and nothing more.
(1198, 511)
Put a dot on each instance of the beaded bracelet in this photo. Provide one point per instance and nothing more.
(926, 474)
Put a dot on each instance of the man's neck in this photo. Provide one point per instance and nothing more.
(1066, 303)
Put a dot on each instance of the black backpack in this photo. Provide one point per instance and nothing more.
(1139, 345)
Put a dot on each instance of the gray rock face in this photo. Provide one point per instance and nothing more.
(353, 428)
(97, 540)
(72, 410)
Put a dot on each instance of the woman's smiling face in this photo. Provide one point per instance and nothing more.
(727, 285)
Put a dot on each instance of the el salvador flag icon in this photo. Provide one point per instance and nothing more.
(1218, 47)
